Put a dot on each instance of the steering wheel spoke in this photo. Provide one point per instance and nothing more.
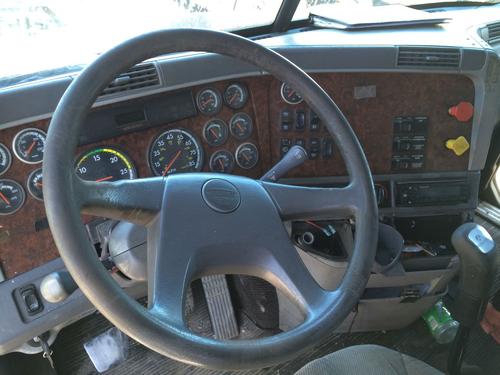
(137, 201)
(300, 202)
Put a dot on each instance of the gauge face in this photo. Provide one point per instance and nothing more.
(5, 159)
(209, 101)
(222, 162)
(175, 151)
(289, 94)
(35, 184)
(12, 197)
(236, 95)
(247, 155)
(215, 132)
(28, 145)
(241, 126)
(105, 164)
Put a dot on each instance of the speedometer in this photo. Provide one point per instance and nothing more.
(105, 164)
(175, 151)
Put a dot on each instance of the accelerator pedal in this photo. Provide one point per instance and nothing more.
(220, 307)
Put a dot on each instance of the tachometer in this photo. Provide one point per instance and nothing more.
(175, 151)
(105, 164)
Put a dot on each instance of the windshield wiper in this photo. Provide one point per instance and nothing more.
(454, 4)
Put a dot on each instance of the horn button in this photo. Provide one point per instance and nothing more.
(221, 195)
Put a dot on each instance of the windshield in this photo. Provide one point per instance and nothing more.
(58, 36)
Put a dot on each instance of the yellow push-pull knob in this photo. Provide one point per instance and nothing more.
(459, 146)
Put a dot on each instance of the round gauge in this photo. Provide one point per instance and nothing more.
(236, 95)
(35, 184)
(175, 151)
(12, 197)
(289, 94)
(5, 159)
(241, 126)
(222, 162)
(215, 132)
(28, 145)
(247, 155)
(105, 164)
(209, 101)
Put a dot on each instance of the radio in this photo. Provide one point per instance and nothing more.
(442, 193)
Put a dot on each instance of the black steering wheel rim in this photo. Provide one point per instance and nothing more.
(66, 196)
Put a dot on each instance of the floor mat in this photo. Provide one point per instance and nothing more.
(415, 340)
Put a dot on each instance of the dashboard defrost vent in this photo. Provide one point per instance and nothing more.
(139, 76)
(429, 57)
(493, 33)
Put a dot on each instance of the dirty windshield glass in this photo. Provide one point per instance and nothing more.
(41, 38)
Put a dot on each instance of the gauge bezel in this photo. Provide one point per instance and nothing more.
(9, 158)
(283, 85)
(16, 137)
(220, 152)
(243, 88)
(226, 130)
(117, 149)
(194, 137)
(29, 186)
(23, 196)
(238, 150)
(250, 126)
(219, 98)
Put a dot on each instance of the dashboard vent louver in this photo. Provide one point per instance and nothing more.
(137, 77)
(429, 57)
(493, 33)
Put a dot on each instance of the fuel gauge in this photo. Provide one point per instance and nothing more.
(215, 132)
(222, 162)
(247, 155)
(35, 184)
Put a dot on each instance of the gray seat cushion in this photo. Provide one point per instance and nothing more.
(367, 360)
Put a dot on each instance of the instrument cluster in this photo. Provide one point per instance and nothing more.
(171, 150)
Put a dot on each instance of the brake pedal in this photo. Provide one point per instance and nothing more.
(107, 350)
(220, 307)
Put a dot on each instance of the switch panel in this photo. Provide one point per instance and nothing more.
(408, 143)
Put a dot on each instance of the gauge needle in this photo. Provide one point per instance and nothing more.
(214, 133)
(240, 127)
(104, 179)
(4, 198)
(28, 151)
(169, 165)
(245, 156)
(39, 184)
(221, 163)
(235, 95)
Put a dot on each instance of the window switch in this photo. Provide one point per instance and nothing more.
(32, 303)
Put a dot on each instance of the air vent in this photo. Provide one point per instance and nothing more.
(429, 57)
(139, 76)
(493, 33)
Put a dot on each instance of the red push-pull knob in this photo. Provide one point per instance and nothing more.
(463, 111)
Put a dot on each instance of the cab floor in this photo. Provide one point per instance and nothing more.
(415, 340)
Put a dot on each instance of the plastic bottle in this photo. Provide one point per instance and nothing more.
(441, 324)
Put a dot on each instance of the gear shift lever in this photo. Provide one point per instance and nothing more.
(476, 250)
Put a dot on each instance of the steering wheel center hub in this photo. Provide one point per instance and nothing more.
(221, 195)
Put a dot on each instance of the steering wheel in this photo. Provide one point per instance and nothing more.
(200, 223)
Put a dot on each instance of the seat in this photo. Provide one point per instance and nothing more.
(367, 360)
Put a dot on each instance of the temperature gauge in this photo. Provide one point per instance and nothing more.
(247, 155)
(12, 197)
(241, 126)
(35, 184)
(289, 94)
(209, 101)
(215, 132)
(236, 96)
(222, 162)
(28, 145)
(5, 159)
